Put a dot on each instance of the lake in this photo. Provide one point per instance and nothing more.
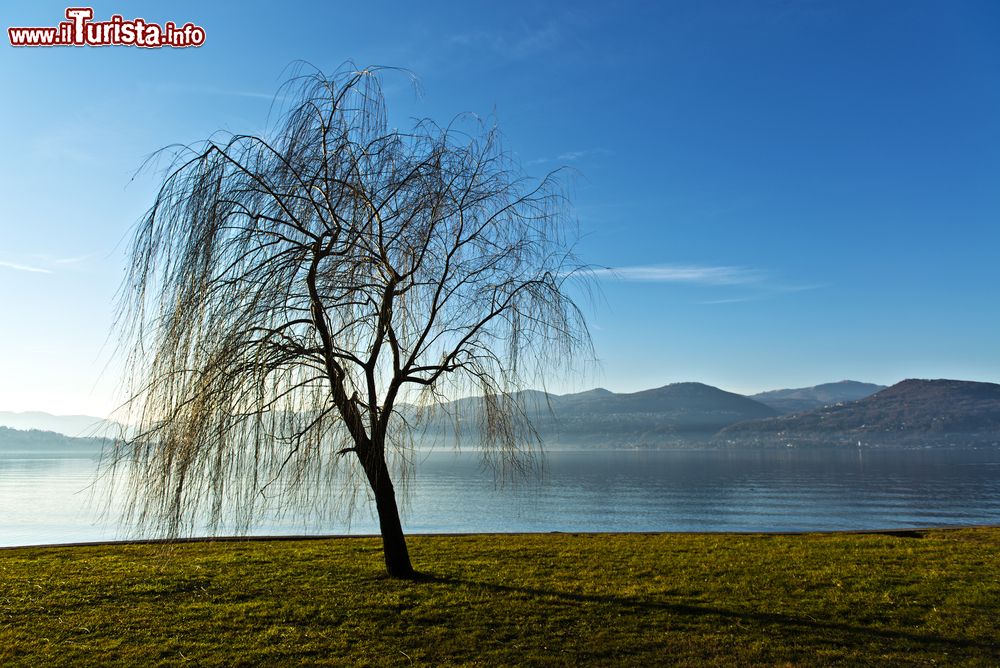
(48, 500)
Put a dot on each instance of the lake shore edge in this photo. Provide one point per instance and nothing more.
(277, 538)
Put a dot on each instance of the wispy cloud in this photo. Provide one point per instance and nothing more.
(23, 267)
(72, 260)
(200, 89)
(675, 273)
(764, 291)
(514, 45)
(738, 300)
(737, 284)
(571, 156)
(45, 263)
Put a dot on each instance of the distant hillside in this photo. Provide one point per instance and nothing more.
(671, 415)
(803, 399)
(910, 412)
(35, 443)
(913, 412)
(68, 425)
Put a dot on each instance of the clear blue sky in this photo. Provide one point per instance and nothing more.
(793, 192)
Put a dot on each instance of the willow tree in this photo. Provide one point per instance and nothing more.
(290, 298)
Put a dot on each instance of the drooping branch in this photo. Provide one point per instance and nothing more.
(290, 295)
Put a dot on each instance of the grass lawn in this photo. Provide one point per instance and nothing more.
(562, 599)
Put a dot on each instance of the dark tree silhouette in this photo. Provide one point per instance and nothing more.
(289, 296)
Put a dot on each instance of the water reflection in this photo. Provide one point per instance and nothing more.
(49, 500)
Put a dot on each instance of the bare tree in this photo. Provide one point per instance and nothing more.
(287, 295)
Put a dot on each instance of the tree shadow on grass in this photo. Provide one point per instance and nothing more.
(841, 633)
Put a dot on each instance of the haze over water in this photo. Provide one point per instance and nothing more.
(50, 501)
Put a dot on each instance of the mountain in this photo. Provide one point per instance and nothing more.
(913, 412)
(68, 425)
(803, 399)
(923, 412)
(677, 414)
(36, 443)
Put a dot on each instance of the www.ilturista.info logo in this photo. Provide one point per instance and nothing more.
(80, 30)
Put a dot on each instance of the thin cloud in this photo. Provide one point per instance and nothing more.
(72, 260)
(571, 156)
(49, 260)
(198, 89)
(734, 300)
(514, 46)
(239, 93)
(673, 273)
(23, 267)
(765, 292)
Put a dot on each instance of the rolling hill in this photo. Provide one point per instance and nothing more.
(67, 425)
(912, 412)
(925, 412)
(803, 399)
(677, 414)
(36, 443)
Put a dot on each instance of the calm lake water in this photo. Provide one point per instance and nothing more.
(47, 500)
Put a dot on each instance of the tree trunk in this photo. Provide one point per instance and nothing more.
(397, 557)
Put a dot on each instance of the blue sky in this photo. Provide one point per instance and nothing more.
(792, 192)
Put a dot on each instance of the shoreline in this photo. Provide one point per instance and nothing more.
(912, 532)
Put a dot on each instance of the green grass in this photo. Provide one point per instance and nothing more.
(622, 599)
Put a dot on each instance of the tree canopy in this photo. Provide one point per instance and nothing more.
(288, 296)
